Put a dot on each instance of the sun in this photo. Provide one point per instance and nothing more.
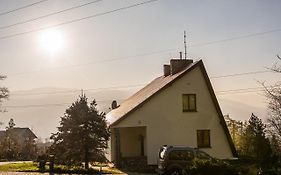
(52, 41)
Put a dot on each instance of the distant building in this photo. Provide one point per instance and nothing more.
(21, 134)
(178, 108)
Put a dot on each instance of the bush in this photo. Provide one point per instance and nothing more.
(208, 167)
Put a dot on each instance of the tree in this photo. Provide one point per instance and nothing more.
(11, 124)
(236, 129)
(4, 92)
(10, 145)
(256, 144)
(273, 94)
(82, 135)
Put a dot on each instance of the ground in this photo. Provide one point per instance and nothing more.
(17, 173)
(16, 166)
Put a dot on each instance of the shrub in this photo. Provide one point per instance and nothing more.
(209, 167)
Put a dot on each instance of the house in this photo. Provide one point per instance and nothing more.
(18, 144)
(21, 134)
(178, 108)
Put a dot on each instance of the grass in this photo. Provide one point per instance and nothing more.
(19, 167)
(33, 167)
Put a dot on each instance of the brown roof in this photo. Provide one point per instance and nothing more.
(20, 133)
(142, 95)
(156, 86)
(24, 132)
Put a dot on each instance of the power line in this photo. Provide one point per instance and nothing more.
(237, 37)
(95, 62)
(245, 90)
(251, 89)
(47, 105)
(36, 105)
(241, 92)
(130, 57)
(79, 19)
(48, 15)
(138, 55)
(74, 91)
(240, 74)
(225, 92)
(23, 7)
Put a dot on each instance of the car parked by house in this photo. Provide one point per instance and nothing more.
(173, 159)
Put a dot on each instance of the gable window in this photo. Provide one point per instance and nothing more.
(189, 102)
(203, 139)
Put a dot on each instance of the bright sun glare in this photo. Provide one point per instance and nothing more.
(52, 41)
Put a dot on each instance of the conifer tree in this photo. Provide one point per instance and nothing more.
(82, 135)
(256, 143)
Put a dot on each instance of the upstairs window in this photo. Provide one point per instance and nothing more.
(203, 139)
(189, 102)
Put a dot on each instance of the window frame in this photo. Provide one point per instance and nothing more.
(188, 103)
(201, 141)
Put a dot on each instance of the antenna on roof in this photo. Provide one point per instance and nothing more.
(184, 35)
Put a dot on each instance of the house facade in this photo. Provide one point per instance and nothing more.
(178, 108)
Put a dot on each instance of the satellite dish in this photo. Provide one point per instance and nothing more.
(114, 104)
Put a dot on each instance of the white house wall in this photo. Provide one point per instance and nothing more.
(168, 125)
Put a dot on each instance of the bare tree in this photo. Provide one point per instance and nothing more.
(273, 94)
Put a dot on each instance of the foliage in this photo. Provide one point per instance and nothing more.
(11, 124)
(82, 135)
(10, 146)
(210, 166)
(14, 148)
(275, 146)
(254, 141)
(273, 94)
(4, 92)
(236, 130)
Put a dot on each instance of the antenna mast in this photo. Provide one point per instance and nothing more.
(184, 35)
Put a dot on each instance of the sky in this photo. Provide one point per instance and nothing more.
(112, 51)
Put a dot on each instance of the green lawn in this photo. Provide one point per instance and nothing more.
(18, 167)
(33, 167)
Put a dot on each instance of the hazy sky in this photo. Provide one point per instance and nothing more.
(128, 48)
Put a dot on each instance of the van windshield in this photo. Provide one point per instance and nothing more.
(162, 152)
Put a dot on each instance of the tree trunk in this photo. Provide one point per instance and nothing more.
(86, 158)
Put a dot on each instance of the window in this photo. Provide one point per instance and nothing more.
(189, 102)
(203, 139)
(181, 155)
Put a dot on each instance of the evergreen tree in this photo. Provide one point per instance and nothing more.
(256, 144)
(11, 124)
(82, 135)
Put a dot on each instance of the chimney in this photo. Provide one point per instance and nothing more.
(177, 65)
(167, 69)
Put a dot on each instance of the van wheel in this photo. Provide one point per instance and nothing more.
(176, 171)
